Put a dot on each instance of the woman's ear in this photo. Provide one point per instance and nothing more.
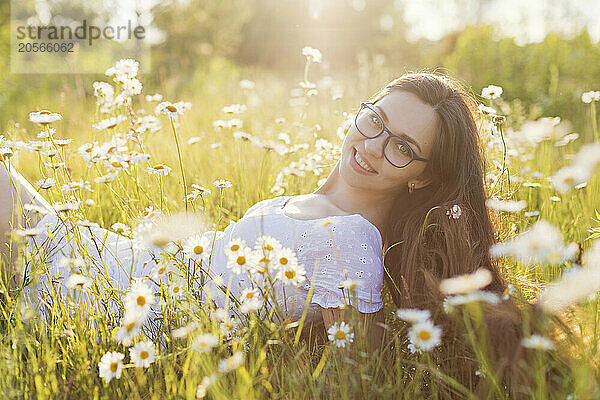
(419, 183)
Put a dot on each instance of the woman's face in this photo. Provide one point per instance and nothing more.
(405, 115)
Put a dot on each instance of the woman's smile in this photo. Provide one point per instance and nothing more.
(360, 165)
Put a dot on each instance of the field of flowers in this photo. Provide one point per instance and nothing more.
(142, 160)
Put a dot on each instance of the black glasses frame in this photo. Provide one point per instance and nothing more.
(414, 155)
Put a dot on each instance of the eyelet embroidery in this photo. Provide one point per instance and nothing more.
(300, 248)
(323, 271)
(363, 260)
(303, 234)
(359, 274)
(364, 246)
(328, 257)
(329, 242)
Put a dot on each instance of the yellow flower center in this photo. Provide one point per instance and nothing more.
(283, 260)
(250, 295)
(171, 108)
(45, 112)
(116, 164)
(241, 260)
(141, 300)
(235, 247)
(160, 241)
(114, 366)
(161, 270)
(340, 335)
(424, 335)
(198, 249)
(144, 354)
(290, 274)
(268, 247)
(176, 289)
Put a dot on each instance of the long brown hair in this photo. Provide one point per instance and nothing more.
(425, 243)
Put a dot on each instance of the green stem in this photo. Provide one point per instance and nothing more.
(180, 163)
(594, 122)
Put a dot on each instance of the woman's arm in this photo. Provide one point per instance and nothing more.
(369, 324)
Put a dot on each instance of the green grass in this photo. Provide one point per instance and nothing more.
(59, 358)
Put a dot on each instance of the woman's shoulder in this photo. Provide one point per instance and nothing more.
(278, 200)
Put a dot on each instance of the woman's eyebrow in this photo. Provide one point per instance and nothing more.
(400, 134)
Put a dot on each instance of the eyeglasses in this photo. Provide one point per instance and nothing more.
(396, 150)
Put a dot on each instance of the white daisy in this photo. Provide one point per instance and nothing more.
(339, 334)
(491, 92)
(312, 54)
(231, 363)
(159, 169)
(537, 342)
(505, 205)
(128, 330)
(471, 297)
(78, 281)
(142, 354)
(424, 335)
(350, 284)
(44, 117)
(222, 183)
(111, 365)
(242, 260)
(205, 342)
(290, 272)
(413, 315)
(177, 287)
(467, 282)
(121, 229)
(197, 247)
(206, 382)
(139, 298)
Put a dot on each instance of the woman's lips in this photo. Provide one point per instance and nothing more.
(357, 167)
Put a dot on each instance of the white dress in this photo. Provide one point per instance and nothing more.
(348, 248)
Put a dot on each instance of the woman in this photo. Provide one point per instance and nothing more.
(410, 173)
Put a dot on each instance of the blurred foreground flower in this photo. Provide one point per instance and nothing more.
(413, 315)
(312, 54)
(467, 282)
(576, 284)
(537, 342)
(142, 354)
(111, 365)
(44, 117)
(541, 243)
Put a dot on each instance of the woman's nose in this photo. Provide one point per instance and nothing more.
(374, 146)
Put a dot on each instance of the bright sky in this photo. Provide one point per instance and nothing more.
(526, 21)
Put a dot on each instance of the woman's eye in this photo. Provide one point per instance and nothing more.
(403, 149)
(375, 121)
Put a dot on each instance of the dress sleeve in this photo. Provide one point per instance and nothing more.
(347, 250)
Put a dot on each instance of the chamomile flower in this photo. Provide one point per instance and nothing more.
(537, 342)
(143, 354)
(139, 298)
(234, 247)
(121, 229)
(312, 54)
(197, 247)
(289, 270)
(78, 281)
(44, 117)
(471, 297)
(491, 92)
(249, 305)
(161, 270)
(467, 282)
(350, 284)
(205, 342)
(424, 335)
(242, 260)
(111, 365)
(339, 334)
(413, 315)
(206, 382)
(231, 363)
(222, 183)
(74, 264)
(159, 169)
(128, 330)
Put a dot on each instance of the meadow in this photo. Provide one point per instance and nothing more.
(137, 157)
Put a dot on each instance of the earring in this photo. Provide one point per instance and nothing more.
(411, 188)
